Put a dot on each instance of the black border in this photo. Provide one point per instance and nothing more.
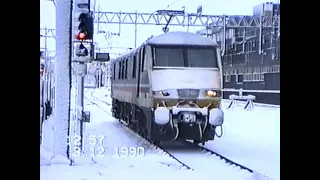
(299, 66)
(298, 55)
(20, 85)
(283, 97)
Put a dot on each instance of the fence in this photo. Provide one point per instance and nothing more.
(248, 103)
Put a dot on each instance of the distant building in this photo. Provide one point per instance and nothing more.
(247, 66)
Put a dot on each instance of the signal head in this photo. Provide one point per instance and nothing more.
(81, 36)
(83, 17)
(82, 20)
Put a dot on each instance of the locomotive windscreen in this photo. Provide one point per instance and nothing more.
(186, 57)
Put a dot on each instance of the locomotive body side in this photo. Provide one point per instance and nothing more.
(164, 90)
(131, 89)
(130, 80)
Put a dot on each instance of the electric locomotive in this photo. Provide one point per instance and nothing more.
(169, 88)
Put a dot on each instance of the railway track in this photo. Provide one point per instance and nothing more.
(185, 153)
(227, 160)
(168, 153)
(97, 99)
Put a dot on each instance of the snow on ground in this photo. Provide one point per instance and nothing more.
(251, 138)
(90, 81)
(117, 136)
(202, 162)
(153, 164)
(102, 94)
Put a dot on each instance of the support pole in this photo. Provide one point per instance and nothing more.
(224, 42)
(135, 30)
(100, 75)
(81, 104)
(63, 81)
(260, 35)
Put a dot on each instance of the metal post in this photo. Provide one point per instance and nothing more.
(94, 5)
(45, 74)
(80, 101)
(260, 35)
(279, 29)
(78, 125)
(45, 91)
(106, 75)
(100, 75)
(188, 23)
(63, 81)
(45, 44)
(135, 31)
(224, 35)
(41, 108)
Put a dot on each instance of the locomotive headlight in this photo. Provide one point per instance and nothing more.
(212, 93)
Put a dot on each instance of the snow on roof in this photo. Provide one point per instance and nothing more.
(173, 38)
(181, 38)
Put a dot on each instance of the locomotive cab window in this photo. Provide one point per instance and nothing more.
(114, 71)
(119, 70)
(134, 67)
(187, 56)
(169, 57)
(202, 57)
(126, 69)
(142, 58)
(122, 69)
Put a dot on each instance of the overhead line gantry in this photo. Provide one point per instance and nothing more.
(179, 19)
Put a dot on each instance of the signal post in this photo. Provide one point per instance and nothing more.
(82, 32)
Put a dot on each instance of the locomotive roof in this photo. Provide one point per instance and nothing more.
(181, 38)
(175, 38)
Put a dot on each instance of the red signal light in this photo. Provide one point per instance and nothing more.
(81, 36)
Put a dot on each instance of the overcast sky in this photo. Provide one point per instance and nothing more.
(210, 7)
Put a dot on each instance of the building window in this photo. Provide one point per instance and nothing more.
(247, 77)
(256, 70)
(248, 70)
(239, 78)
(269, 69)
(275, 69)
(227, 72)
(227, 78)
(256, 77)
(264, 70)
(233, 71)
(241, 70)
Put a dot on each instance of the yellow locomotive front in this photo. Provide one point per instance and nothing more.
(186, 85)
